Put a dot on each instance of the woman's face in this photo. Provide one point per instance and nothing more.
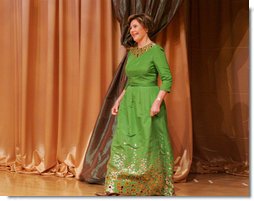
(137, 31)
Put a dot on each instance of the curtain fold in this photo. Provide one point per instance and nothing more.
(162, 12)
(219, 76)
(54, 70)
(97, 155)
(174, 39)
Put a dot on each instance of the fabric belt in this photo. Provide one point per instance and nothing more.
(142, 85)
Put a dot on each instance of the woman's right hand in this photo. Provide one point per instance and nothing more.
(114, 109)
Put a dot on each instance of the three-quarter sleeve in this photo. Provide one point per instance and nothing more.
(161, 64)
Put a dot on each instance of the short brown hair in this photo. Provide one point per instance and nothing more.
(145, 20)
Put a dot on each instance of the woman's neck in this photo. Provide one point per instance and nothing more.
(145, 41)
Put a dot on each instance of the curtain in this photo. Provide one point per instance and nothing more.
(179, 110)
(54, 72)
(97, 155)
(57, 62)
(219, 76)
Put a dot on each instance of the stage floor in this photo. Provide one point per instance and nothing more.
(13, 184)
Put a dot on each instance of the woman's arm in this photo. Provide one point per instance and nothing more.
(115, 107)
(162, 66)
(155, 109)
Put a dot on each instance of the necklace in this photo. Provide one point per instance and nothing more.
(136, 51)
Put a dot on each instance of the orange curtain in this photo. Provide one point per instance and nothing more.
(219, 76)
(178, 102)
(55, 66)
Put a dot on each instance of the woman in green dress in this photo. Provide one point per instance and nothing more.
(141, 158)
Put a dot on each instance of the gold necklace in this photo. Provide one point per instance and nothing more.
(136, 51)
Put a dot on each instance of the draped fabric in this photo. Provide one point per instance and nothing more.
(54, 73)
(179, 111)
(97, 154)
(161, 11)
(219, 76)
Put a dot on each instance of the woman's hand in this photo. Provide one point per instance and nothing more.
(115, 107)
(155, 109)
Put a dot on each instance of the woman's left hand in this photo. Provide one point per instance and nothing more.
(155, 109)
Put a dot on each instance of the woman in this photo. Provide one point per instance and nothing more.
(141, 158)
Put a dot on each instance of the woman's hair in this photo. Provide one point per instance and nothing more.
(145, 20)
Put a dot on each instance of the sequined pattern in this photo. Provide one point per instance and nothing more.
(141, 161)
(139, 51)
(139, 178)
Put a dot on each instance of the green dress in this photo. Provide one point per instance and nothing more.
(141, 159)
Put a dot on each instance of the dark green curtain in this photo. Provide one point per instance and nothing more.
(97, 155)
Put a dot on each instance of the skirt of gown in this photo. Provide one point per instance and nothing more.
(141, 158)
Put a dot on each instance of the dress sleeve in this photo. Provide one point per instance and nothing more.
(161, 64)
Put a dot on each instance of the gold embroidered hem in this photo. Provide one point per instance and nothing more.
(141, 158)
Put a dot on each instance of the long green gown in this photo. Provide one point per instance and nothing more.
(141, 158)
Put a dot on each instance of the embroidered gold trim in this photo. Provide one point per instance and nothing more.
(139, 51)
